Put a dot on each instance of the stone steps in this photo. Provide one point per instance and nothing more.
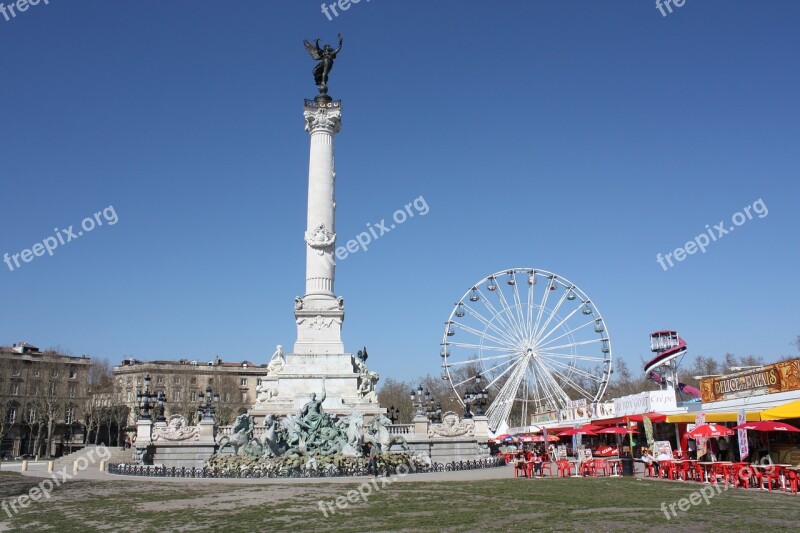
(94, 454)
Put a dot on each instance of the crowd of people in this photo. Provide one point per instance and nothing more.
(537, 455)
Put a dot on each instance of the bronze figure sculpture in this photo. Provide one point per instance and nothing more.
(325, 56)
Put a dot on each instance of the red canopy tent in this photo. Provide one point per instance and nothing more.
(767, 425)
(710, 431)
(617, 431)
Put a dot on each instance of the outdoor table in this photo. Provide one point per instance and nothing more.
(576, 464)
(614, 464)
(706, 469)
(680, 462)
(783, 467)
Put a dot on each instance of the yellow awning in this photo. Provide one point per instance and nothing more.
(752, 416)
(787, 410)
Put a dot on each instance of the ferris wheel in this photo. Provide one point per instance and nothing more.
(532, 338)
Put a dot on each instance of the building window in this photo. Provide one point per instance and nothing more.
(130, 396)
(53, 387)
(36, 373)
(227, 396)
(193, 396)
(15, 389)
(12, 414)
(176, 381)
(15, 372)
(258, 382)
(160, 380)
(69, 415)
(177, 395)
(31, 414)
(244, 397)
(71, 391)
(243, 382)
(73, 374)
(54, 372)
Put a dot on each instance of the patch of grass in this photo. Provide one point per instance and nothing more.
(619, 504)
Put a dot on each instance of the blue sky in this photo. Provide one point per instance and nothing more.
(580, 137)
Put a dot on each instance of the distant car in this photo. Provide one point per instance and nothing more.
(23, 457)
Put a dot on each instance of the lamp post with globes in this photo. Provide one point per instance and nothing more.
(148, 401)
(394, 414)
(206, 404)
(420, 396)
(480, 396)
(477, 397)
(434, 413)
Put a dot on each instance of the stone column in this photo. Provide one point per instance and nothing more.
(144, 432)
(206, 430)
(319, 314)
(421, 425)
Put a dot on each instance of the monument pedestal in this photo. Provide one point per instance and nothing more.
(289, 388)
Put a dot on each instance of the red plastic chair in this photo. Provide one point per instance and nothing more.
(600, 464)
(564, 469)
(547, 466)
(649, 470)
(683, 471)
(769, 475)
(792, 481)
(587, 468)
(720, 473)
(667, 468)
(699, 472)
(524, 467)
(741, 474)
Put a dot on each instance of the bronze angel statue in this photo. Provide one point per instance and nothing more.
(325, 56)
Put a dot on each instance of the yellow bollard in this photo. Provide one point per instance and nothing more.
(50, 467)
(24, 465)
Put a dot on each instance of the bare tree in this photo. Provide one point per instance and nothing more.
(394, 393)
(50, 399)
(230, 399)
(101, 376)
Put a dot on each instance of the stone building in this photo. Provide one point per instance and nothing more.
(42, 399)
(182, 382)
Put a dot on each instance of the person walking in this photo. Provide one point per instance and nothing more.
(722, 446)
(372, 463)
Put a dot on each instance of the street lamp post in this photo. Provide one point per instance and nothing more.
(480, 396)
(394, 414)
(434, 413)
(147, 400)
(206, 404)
(419, 396)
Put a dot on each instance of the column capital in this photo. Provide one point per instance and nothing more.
(325, 117)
